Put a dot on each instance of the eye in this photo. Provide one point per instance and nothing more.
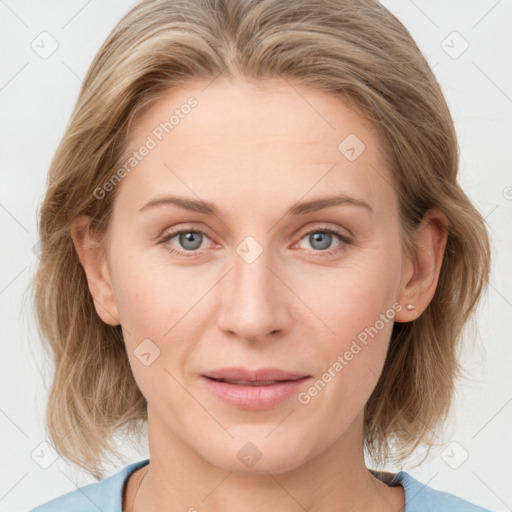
(187, 241)
(321, 239)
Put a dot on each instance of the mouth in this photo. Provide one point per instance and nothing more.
(256, 390)
(254, 383)
(259, 377)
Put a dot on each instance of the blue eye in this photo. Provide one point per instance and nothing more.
(189, 241)
(321, 239)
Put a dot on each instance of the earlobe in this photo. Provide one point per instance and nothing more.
(423, 273)
(93, 260)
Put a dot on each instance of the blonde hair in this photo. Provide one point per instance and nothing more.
(358, 51)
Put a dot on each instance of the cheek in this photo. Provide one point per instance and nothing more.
(151, 304)
(140, 304)
(355, 305)
(159, 302)
(152, 293)
(349, 298)
(352, 365)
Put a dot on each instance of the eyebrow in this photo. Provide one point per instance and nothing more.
(199, 206)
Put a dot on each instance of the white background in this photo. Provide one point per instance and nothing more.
(36, 98)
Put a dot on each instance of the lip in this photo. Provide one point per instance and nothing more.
(254, 397)
(262, 374)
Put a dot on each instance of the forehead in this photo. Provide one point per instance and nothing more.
(244, 139)
(250, 113)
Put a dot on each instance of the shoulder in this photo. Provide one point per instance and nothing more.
(105, 495)
(422, 498)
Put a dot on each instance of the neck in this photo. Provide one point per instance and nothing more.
(335, 479)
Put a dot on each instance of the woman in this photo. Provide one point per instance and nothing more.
(253, 240)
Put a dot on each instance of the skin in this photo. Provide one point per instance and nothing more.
(254, 151)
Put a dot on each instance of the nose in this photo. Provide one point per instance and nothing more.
(256, 304)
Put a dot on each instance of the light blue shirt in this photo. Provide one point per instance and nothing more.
(107, 495)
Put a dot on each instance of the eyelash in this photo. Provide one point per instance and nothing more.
(322, 229)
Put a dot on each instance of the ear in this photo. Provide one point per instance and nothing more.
(92, 258)
(422, 274)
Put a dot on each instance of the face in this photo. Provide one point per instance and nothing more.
(254, 278)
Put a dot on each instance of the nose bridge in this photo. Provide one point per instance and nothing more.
(253, 301)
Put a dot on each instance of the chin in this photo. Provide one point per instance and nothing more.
(257, 457)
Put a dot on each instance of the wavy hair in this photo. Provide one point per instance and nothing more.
(358, 51)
